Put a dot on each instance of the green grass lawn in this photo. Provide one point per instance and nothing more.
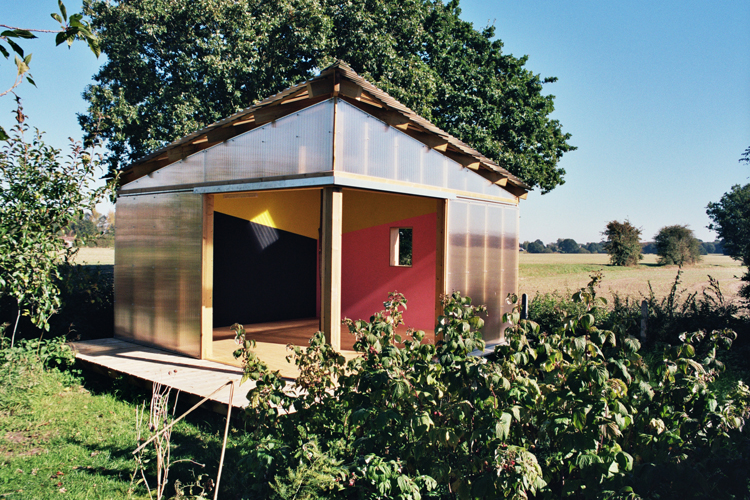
(98, 256)
(64, 434)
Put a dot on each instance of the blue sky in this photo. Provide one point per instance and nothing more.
(655, 94)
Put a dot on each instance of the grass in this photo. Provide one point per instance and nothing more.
(61, 433)
(547, 273)
(97, 256)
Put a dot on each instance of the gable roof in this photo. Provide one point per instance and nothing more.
(338, 80)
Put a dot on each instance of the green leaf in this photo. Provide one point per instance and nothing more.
(3, 137)
(16, 48)
(599, 374)
(585, 460)
(624, 460)
(63, 10)
(22, 66)
(56, 17)
(502, 426)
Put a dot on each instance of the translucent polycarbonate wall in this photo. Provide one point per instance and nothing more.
(158, 242)
(368, 146)
(299, 143)
(482, 260)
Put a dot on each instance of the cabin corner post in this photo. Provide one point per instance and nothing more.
(441, 252)
(331, 217)
(207, 277)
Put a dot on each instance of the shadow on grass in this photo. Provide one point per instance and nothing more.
(196, 441)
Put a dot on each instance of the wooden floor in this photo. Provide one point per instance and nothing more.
(192, 376)
(201, 377)
(271, 341)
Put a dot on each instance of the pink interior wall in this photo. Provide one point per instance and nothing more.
(367, 275)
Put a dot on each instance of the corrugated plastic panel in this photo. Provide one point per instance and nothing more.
(158, 270)
(482, 260)
(367, 146)
(299, 143)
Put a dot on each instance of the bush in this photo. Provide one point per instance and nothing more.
(86, 305)
(623, 243)
(677, 245)
(575, 411)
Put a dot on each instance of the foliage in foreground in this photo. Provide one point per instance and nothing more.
(667, 316)
(40, 194)
(574, 412)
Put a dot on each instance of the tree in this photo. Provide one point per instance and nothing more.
(39, 197)
(536, 247)
(623, 243)
(595, 247)
(568, 245)
(730, 218)
(71, 29)
(677, 245)
(161, 82)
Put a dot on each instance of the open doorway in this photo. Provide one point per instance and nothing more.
(265, 267)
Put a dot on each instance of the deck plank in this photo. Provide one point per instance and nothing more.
(192, 376)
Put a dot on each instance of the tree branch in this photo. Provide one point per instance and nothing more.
(18, 81)
(35, 31)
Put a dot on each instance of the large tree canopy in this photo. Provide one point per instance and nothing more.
(175, 67)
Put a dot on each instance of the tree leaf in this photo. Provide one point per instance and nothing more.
(63, 10)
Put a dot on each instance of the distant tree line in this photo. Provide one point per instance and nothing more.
(569, 245)
(706, 247)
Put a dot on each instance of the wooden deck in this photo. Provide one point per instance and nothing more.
(271, 341)
(192, 376)
(200, 377)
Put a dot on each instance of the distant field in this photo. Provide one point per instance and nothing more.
(546, 273)
(549, 272)
(99, 256)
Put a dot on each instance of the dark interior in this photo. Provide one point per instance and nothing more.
(261, 274)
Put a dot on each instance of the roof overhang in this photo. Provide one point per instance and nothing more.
(338, 80)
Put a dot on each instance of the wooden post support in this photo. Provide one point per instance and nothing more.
(644, 317)
(441, 244)
(331, 217)
(207, 278)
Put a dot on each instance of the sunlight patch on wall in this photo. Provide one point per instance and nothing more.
(265, 230)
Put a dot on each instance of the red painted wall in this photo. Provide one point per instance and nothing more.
(367, 275)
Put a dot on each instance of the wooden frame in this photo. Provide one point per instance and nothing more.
(441, 255)
(395, 246)
(331, 219)
(207, 278)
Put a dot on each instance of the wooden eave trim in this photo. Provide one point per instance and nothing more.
(268, 114)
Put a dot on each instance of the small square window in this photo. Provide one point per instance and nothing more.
(401, 247)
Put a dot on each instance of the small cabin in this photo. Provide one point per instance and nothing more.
(304, 209)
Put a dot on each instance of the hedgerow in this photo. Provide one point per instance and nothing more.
(577, 411)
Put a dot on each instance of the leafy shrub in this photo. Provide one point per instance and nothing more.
(21, 364)
(623, 243)
(677, 245)
(576, 411)
(86, 308)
